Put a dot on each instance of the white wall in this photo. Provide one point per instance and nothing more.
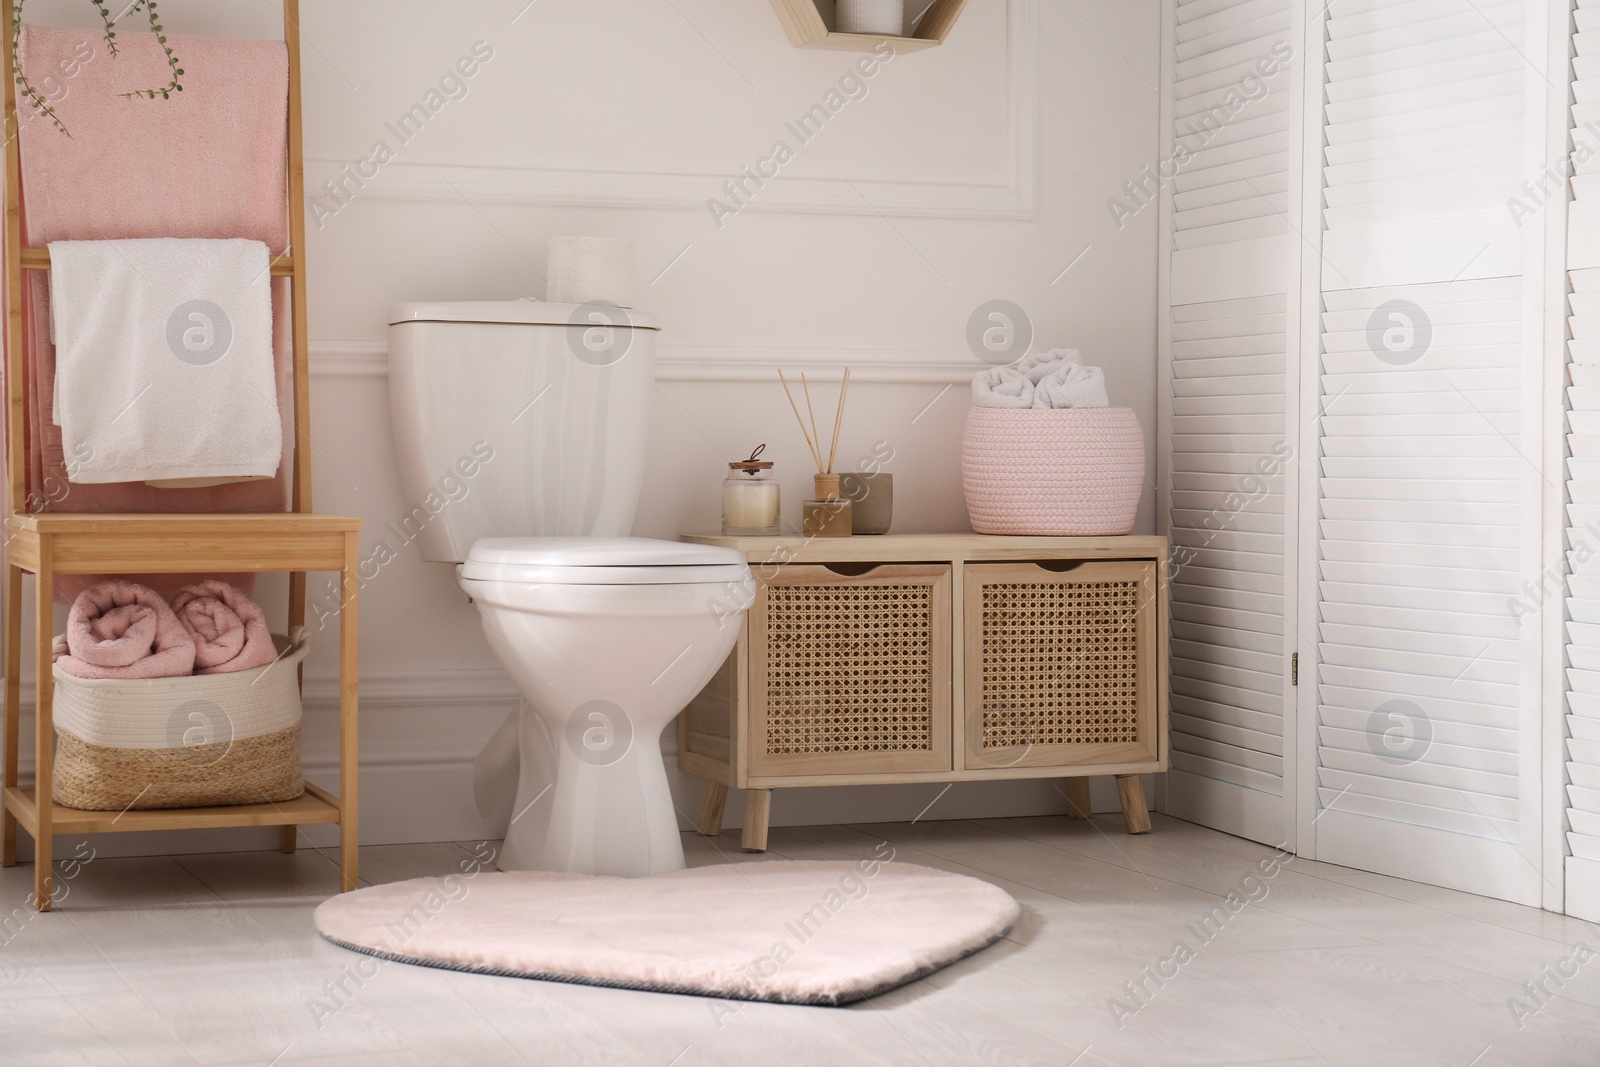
(977, 170)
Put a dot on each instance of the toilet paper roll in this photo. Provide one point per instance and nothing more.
(585, 270)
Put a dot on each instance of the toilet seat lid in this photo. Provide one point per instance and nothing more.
(601, 561)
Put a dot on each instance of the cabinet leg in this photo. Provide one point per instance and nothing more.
(1134, 813)
(287, 838)
(757, 810)
(712, 800)
(1077, 790)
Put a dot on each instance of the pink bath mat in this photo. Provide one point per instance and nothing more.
(792, 932)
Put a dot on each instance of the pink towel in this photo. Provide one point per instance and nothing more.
(208, 162)
(229, 629)
(120, 629)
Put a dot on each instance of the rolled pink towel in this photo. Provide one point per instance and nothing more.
(229, 629)
(121, 629)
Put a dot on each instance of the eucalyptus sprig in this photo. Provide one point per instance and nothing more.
(29, 92)
(149, 7)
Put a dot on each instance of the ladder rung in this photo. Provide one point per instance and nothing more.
(39, 259)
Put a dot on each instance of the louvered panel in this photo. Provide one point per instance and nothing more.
(1371, 764)
(1424, 113)
(1426, 816)
(1222, 716)
(1228, 162)
(1226, 523)
(1583, 475)
(1420, 547)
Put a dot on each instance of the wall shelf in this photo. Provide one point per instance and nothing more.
(803, 20)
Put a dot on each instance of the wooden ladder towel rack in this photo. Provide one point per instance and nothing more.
(50, 544)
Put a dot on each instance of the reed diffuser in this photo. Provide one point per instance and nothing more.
(829, 514)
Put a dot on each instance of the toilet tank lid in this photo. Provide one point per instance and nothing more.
(520, 312)
(598, 552)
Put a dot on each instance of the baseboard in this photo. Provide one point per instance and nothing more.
(420, 731)
(408, 797)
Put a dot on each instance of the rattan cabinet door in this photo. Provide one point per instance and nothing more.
(1060, 665)
(850, 674)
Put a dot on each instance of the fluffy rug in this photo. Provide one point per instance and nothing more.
(786, 931)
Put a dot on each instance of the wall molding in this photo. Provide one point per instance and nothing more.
(1015, 196)
(383, 691)
(714, 363)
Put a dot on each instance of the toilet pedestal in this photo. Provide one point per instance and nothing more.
(594, 809)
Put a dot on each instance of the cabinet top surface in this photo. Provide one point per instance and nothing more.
(922, 547)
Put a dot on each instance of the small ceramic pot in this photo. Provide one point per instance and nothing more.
(872, 501)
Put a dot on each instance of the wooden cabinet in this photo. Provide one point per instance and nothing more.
(935, 658)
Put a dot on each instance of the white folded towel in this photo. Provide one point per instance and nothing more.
(1038, 364)
(1002, 387)
(164, 365)
(1072, 386)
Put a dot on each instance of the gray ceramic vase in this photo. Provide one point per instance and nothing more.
(871, 498)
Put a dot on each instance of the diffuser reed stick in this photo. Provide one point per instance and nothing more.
(812, 436)
(815, 436)
(796, 408)
(838, 418)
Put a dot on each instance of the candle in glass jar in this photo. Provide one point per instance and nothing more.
(750, 497)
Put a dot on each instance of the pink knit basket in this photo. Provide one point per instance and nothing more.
(1073, 472)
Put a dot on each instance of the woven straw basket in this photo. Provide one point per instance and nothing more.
(197, 741)
(1073, 472)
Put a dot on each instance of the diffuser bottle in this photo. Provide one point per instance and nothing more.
(829, 515)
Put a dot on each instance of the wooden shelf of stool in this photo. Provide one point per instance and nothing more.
(880, 671)
(51, 545)
(313, 806)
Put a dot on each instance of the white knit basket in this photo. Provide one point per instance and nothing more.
(1073, 472)
(195, 741)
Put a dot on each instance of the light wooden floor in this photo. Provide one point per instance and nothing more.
(212, 959)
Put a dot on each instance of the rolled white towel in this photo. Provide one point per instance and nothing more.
(1036, 365)
(1073, 386)
(1002, 387)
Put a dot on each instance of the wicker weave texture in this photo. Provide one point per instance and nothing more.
(1069, 473)
(253, 770)
(1060, 663)
(849, 668)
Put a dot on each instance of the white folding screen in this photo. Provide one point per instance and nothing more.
(1224, 408)
(1421, 672)
(1387, 294)
(1582, 866)
(1421, 516)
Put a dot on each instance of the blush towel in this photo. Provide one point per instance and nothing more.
(229, 629)
(120, 629)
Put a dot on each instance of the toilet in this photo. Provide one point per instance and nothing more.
(520, 431)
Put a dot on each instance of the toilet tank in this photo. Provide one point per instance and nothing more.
(517, 419)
